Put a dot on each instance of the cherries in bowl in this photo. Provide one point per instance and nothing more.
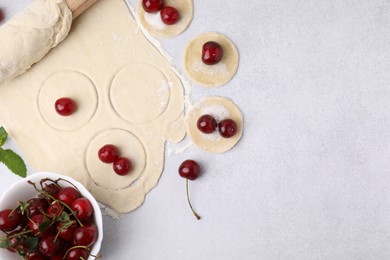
(24, 191)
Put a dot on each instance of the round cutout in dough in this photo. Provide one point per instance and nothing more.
(140, 85)
(72, 84)
(153, 24)
(129, 146)
(210, 75)
(220, 108)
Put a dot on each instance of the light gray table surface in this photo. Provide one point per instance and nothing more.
(310, 178)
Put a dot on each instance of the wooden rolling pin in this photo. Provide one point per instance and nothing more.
(79, 6)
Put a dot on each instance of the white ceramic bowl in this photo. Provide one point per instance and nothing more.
(22, 191)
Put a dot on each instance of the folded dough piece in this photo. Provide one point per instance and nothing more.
(27, 37)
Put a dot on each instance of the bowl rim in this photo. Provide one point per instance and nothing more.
(36, 177)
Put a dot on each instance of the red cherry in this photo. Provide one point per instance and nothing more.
(65, 106)
(151, 6)
(66, 233)
(54, 210)
(227, 128)
(169, 15)
(207, 124)
(57, 257)
(122, 166)
(85, 236)
(36, 206)
(48, 245)
(9, 219)
(1, 15)
(35, 222)
(68, 195)
(108, 153)
(77, 254)
(189, 169)
(83, 208)
(212, 53)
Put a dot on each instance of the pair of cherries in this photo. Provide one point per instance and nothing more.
(207, 125)
(110, 154)
(169, 15)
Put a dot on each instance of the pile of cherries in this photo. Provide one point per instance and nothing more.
(57, 224)
(207, 124)
(109, 153)
(169, 15)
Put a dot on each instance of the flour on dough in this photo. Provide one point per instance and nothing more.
(127, 94)
(210, 75)
(153, 24)
(220, 108)
(28, 36)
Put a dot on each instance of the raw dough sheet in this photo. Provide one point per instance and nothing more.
(127, 94)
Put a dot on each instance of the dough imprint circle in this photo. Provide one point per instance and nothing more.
(153, 24)
(220, 108)
(72, 84)
(140, 85)
(210, 75)
(129, 146)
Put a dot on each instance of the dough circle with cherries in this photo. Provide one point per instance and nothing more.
(211, 75)
(154, 25)
(220, 108)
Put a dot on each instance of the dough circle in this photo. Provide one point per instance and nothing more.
(220, 108)
(210, 75)
(72, 84)
(129, 146)
(126, 97)
(153, 24)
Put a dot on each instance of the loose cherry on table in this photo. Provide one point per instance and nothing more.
(65, 106)
(108, 153)
(122, 166)
(212, 53)
(152, 6)
(207, 124)
(227, 128)
(169, 15)
(190, 170)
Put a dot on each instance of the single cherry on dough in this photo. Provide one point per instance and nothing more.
(169, 15)
(190, 170)
(65, 106)
(212, 53)
(108, 153)
(207, 124)
(152, 6)
(227, 128)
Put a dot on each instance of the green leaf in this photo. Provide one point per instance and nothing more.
(3, 136)
(4, 242)
(13, 162)
(45, 225)
(31, 242)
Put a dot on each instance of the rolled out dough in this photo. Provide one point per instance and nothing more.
(27, 37)
(127, 94)
(220, 108)
(153, 24)
(210, 75)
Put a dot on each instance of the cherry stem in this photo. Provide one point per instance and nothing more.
(189, 202)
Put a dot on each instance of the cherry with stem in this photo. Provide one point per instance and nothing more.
(190, 170)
